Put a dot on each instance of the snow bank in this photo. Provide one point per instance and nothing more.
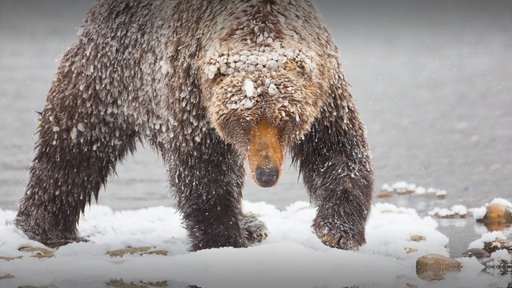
(291, 256)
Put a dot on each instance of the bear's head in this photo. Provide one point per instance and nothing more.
(262, 100)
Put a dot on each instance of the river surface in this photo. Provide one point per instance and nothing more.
(433, 84)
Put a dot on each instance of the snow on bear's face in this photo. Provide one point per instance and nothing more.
(264, 93)
(272, 85)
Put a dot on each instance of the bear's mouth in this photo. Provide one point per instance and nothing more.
(265, 154)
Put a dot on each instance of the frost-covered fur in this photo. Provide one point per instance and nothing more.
(193, 78)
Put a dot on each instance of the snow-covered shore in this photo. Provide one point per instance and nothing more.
(291, 256)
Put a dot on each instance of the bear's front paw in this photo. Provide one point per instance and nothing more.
(56, 243)
(338, 235)
(255, 229)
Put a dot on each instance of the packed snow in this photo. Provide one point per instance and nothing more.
(292, 256)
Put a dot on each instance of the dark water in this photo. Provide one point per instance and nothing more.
(432, 82)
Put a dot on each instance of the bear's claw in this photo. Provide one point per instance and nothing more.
(331, 240)
(337, 237)
(254, 229)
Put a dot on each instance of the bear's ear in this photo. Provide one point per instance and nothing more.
(265, 154)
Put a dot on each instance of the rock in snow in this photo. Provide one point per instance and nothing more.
(435, 267)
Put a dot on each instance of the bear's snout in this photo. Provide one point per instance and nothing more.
(265, 154)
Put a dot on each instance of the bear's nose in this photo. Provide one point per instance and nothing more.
(267, 176)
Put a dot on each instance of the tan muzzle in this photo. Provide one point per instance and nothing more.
(265, 154)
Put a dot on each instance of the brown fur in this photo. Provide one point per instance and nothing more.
(196, 79)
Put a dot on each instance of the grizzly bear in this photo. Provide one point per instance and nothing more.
(207, 84)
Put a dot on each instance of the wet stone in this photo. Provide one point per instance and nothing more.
(6, 276)
(120, 283)
(434, 267)
(498, 217)
(3, 258)
(409, 250)
(477, 253)
(417, 238)
(137, 250)
(497, 244)
(37, 252)
(385, 194)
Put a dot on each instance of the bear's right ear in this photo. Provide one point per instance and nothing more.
(265, 154)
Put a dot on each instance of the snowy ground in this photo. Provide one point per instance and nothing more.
(432, 82)
(291, 256)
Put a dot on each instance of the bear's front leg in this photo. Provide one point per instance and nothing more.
(208, 178)
(342, 214)
(335, 164)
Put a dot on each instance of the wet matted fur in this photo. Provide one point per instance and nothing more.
(195, 79)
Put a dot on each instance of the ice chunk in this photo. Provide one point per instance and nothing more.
(262, 60)
(211, 70)
(246, 104)
(73, 133)
(272, 89)
(249, 87)
(165, 68)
